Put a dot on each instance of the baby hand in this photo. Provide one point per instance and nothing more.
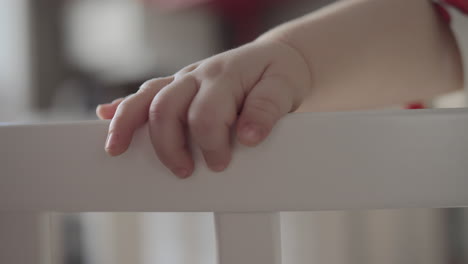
(250, 87)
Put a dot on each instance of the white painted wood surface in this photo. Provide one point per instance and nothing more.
(22, 238)
(310, 162)
(248, 238)
(397, 159)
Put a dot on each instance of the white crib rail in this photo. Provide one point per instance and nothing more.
(393, 159)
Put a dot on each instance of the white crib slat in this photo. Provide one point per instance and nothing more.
(21, 239)
(310, 162)
(248, 238)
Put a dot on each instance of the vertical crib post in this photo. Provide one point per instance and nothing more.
(248, 238)
(22, 238)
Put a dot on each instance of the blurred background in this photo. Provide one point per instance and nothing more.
(60, 58)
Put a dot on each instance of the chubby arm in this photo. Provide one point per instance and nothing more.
(373, 53)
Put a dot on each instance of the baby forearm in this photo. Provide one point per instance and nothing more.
(372, 53)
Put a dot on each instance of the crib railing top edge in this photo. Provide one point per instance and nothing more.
(392, 159)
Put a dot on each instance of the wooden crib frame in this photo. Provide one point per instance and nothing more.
(361, 160)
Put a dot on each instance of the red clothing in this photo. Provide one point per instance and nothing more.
(461, 5)
(442, 6)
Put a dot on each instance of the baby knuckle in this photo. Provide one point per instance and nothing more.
(265, 106)
(158, 111)
(124, 107)
(201, 121)
(188, 69)
(149, 84)
(213, 68)
(155, 83)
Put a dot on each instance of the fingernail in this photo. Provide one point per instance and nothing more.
(181, 172)
(252, 133)
(110, 142)
(218, 167)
